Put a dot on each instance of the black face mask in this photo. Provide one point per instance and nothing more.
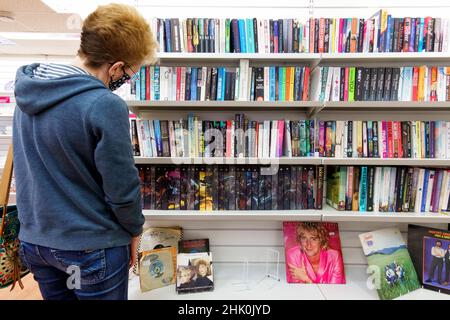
(114, 85)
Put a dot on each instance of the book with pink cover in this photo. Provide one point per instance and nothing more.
(313, 253)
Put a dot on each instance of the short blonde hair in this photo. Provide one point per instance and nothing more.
(117, 32)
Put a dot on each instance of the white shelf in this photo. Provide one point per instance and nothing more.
(296, 161)
(326, 214)
(5, 136)
(240, 215)
(228, 161)
(226, 275)
(333, 215)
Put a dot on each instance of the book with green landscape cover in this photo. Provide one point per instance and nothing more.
(392, 270)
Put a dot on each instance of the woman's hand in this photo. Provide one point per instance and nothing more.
(299, 273)
(134, 249)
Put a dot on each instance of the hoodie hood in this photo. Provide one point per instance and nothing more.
(35, 95)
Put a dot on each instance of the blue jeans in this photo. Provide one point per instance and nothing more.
(103, 272)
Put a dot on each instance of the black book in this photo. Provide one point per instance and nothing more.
(395, 40)
(360, 35)
(342, 85)
(359, 84)
(183, 187)
(206, 34)
(370, 187)
(231, 187)
(305, 188)
(227, 86)
(259, 84)
(274, 182)
(174, 188)
(417, 34)
(395, 83)
(196, 187)
(213, 84)
(427, 139)
(316, 36)
(373, 84)
(319, 182)
(248, 187)
(187, 88)
(215, 185)
(387, 84)
(271, 36)
(430, 35)
(298, 188)
(293, 187)
(365, 84)
(404, 139)
(350, 139)
(375, 139)
(134, 138)
(295, 44)
(311, 188)
(160, 188)
(255, 33)
(233, 85)
(408, 140)
(281, 36)
(234, 37)
(165, 138)
(212, 35)
(407, 193)
(400, 35)
(267, 192)
(190, 194)
(255, 188)
(326, 37)
(261, 190)
(241, 203)
(208, 84)
(209, 187)
(221, 189)
(380, 84)
(223, 130)
(280, 190)
(399, 185)
(287, 188)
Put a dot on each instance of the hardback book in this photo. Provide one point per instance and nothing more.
(313, 253)
(392, 270)
(157, 268)
(430, 252)
(194, 272)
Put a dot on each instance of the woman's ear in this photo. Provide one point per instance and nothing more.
(114, 70)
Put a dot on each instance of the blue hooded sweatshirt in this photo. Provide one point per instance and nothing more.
(76, 182)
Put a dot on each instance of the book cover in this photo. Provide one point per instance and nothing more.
(430, 254)
(194, 272)
(309, 245)
(393, 272)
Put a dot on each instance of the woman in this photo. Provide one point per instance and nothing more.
(202, 268)
(313, 261)
(78, 191)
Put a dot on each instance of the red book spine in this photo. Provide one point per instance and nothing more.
(147, 82)
(280, 137)
(321, 34)
(415, 83)
(311, 34)
(305, 93)
(399, 139)
(406, 34)
(178, 83)
(390, 145)
(433, 87)
(395, 138)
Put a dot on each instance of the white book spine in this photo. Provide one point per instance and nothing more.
(183, 83)
(364, 135)
(148, 142)
(273, 139)
(140, 130)
(222, 35)
(172, 137)
(384, 203)
(400, 84)
(260, 140)
(339, 137)
(336, 83)
(161, 37)
(419, 192)
(260, 33)
(243, 79)
(181, 140)
(442, 84)
(430, 190)
(306, 33)
(203, 84)
(266, 148)
(236, 85)
(232, 135)
(392, 189)
(182, 27)
(448, 140)
(316, 83)
(266, 36)
(266, 84)
(444, 192)
(355, 139)
(329, 83)
(376, 191)
(414, 148)
(217, 35)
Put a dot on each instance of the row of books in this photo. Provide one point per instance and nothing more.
(379, 33)
(274, 83)
(418, 83)
(388, 189)
(229, 187)
(243, 137)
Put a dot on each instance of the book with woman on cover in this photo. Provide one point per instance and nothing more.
(313, 253)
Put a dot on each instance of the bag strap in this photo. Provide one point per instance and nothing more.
(5, 185)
